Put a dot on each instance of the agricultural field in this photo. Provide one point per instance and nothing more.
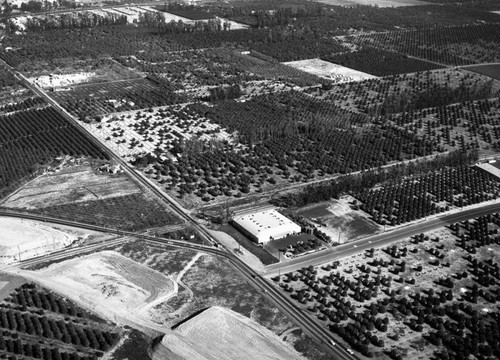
(159, 131)
(34, 137)
(381, 63)
(69, 183)
(38, 323)
(404, 93)
(491, 70)
(431, 295)
(433, 193)
(14, 96)
(57, 74)
(95, 100)
(454, 45)
(132, 212)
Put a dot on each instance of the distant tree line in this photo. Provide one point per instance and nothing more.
(438, 95)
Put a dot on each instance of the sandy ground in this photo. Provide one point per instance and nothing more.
(232, 245)
(219, 333)
(70, 185)
(330, 71)
(27, 239)
(151, 138)
(61, 80)
(109, 284)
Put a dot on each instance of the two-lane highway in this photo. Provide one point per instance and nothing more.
(379, 240)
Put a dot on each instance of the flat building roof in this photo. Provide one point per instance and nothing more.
(266, 224)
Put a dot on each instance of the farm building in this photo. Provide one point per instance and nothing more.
(265, 225)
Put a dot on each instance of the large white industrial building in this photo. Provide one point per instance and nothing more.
(265, 225)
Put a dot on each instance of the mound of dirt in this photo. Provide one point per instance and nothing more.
(221, 334)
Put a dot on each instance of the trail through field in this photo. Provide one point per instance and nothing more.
(163, 298)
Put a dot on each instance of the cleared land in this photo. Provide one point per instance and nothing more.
(24, 239)
(70, 185)
(220, 333)
(111, 284)
(330, 71)
(155, 131)
(338, 220)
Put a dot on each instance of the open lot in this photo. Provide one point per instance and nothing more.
(71, 184)
(24, 239)
(330, 71)
(339, 221)
(237, 338)
(112, 285)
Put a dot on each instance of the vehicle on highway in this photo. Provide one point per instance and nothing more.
(349, 351)
(333, 343)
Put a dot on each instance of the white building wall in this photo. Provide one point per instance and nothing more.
(264, 225)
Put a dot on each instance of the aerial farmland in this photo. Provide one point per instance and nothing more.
(133, 136)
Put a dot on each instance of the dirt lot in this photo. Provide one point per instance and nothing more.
(112, 285)
(23, 239)
(336, 219)
(237, 338)
(330, 71)
(69, 185)
(205, 281)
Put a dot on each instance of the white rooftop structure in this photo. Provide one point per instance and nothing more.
(266, 225)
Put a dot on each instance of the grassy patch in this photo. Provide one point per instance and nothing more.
(135, 347)
(131, 212)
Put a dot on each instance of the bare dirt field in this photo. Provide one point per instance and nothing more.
(330, 71)
(336, 219)
(69, 185)
(379, 3)
(220, 333)
(204, 281)
(112, 285)
(23, 239)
